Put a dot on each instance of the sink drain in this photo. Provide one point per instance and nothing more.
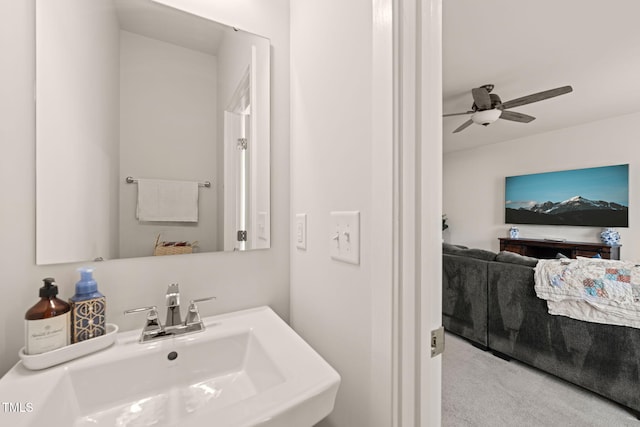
(172, 356)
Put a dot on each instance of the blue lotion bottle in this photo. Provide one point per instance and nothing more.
(87, 308)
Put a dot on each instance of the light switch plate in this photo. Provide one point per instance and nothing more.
(262, 225)
(300, 232)
(344, 235)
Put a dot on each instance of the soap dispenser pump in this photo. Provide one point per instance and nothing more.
(87, 308)
(47, 322)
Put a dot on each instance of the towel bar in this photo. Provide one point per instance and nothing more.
(131, 180)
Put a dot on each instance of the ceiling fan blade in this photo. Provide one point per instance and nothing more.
(537, 97)
(516, 117)
(463, 126)
(481, 98)
(458, 114)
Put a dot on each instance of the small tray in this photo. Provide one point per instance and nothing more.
(69, 352)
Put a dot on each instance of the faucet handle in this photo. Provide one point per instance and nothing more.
(193, 316)
(152, 325)
(141, 309)
(201, 300)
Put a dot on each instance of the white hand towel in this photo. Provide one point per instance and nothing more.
(165, 200)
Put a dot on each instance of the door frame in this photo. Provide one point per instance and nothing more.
(417, 253)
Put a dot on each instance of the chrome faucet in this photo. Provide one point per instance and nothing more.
(153, 329)
(173, 305)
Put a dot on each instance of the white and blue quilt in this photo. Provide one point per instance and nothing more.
(593, 290)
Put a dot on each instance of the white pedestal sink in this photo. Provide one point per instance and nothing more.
(248, 368)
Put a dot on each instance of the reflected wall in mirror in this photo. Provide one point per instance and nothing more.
(133, 88)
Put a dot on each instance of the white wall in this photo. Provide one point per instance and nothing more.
(77, 136)
(334, 154)
(239, 280)
(168, 130)
(473, 195)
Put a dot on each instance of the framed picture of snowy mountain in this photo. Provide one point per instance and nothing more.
(596, 197)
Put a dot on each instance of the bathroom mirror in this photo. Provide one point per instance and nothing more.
(144, 108)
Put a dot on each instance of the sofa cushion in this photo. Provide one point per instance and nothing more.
(448, 248)
(514, 258)
(481, 254)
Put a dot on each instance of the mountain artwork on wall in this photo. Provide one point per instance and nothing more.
(596, 197)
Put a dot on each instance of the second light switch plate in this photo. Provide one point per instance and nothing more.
(344, 229)
(301, 231)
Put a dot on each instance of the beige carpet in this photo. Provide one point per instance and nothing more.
(479, 389)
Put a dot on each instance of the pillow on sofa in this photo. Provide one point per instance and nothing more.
(514, 258)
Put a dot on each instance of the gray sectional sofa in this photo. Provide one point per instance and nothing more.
(489, 299)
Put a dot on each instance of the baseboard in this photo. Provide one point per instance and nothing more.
(501, 355)
(480, 346)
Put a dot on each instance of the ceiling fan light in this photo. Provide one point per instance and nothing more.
(486, 117)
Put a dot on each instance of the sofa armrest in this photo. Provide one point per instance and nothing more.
(464, 297)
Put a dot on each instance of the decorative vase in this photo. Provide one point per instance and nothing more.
(610, 237)
(514, 233)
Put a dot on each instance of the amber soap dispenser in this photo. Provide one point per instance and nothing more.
(47, 322)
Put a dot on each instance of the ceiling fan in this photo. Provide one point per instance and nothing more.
(487, 107)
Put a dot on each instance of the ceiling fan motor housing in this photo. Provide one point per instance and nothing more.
(486, 117)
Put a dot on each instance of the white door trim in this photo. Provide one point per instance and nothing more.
(417, 206)
(430, 260)
(382, 218)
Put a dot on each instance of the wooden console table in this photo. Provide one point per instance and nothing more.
(547, 249)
